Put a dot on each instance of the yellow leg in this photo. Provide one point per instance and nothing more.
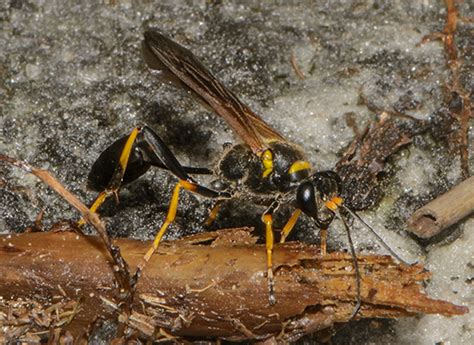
(324, 236)
(98, 201)
(289, 225)
(170, 217)
(117, 176)
(269, 239)
(95, 205)
(213, 214)
(333, 205)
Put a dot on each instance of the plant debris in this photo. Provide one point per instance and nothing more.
(363, 162)
(456, 113)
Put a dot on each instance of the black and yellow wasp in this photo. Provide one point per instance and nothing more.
(265, 165)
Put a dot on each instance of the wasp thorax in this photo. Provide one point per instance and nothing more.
(289, 165)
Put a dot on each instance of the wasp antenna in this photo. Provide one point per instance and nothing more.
(356, 266)
(380, 239)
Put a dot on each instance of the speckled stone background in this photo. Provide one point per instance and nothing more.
(73, 80)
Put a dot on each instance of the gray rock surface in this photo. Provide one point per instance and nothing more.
(73, 80)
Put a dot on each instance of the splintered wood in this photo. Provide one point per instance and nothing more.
(211, 285)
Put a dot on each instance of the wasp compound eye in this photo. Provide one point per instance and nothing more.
(328, 183)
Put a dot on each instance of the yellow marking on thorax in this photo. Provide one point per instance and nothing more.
(267, 160)
(298, 166)
(334, 203)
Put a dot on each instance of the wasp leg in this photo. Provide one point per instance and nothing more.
(213, 213)
(269, 240)
(324, 236)
(290, 225)
(117, 176)
(356, 268)
(158, 153)
(171, 215)
(267, 219)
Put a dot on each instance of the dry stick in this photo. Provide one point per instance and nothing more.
(295, 66)
(122, 273)
(212, 285)
(444, 211)
(454, 63)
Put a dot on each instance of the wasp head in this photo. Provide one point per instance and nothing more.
(319, 197)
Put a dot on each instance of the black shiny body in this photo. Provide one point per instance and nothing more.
(148, 150)
(103, 168)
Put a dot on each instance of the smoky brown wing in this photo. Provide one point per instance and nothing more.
(179, 66)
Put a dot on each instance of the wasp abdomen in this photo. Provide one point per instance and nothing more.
(103, 168)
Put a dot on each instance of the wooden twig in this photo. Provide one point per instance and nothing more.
(231, 301)
(122, 271)
(454, 63)
(444, 211)
(295, 66)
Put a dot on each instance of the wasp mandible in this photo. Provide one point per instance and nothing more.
(264, 165)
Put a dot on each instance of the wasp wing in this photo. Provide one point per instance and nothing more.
(179, 66)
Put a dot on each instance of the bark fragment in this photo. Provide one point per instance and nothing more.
(210, 285)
